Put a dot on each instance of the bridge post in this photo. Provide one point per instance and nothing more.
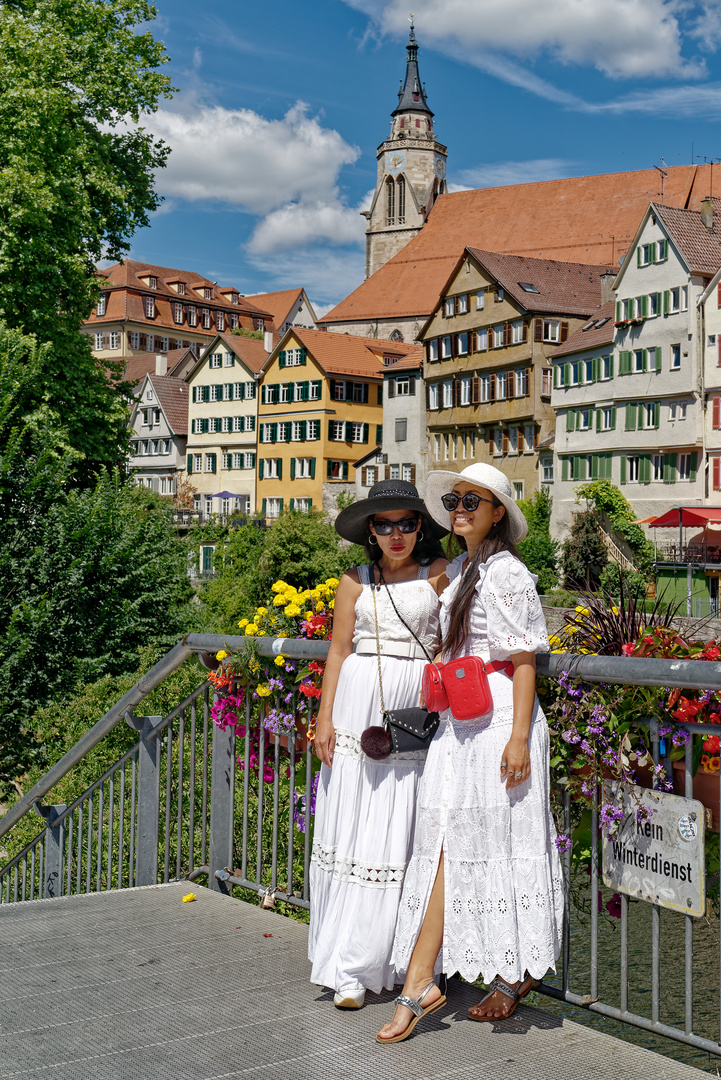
(146, 848)
(222, 797)
(52, 885)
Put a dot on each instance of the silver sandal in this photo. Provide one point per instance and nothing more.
(416, 1007)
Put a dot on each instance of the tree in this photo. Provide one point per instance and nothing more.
(605, 497)
(583, 554)
(538, 550)
(76, 180)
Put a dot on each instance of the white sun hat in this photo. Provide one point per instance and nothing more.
(441, 482)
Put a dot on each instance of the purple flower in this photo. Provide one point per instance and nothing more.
(562, 843)
(586, 746)
(681, 737)
(610, 817)
(571, 736)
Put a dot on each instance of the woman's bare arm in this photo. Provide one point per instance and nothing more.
(516, 754)
(349, 589)
(437, 575)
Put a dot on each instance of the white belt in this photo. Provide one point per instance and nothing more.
(391, 648)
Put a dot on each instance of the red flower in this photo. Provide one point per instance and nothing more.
(315, 667)
(714, 718)
(309, 690)
(712, 745)
(627, 649)
(713, 653)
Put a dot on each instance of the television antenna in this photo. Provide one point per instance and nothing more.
(663, 172)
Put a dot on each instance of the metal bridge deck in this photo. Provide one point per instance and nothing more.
(137, 984)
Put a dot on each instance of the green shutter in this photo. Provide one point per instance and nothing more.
(213, 462)
(292, 474)
(644, 469)
(312, 468)
(659, 355)
(631, 416)
(195, 393)
(380, 393)
(345, 470)
(570, 419)
(693, 465)
(666, 301)
(566, 374)
(292, 504)
(329, 470)
(274, 432)
(596, 369)
(330, 429)
(618, 311)
(669, 468)
(579, 470)
(379, 433)
(613, 419)
(305, 391)
(556, 369)
(610, 366)
(594, 466)
(206, 393)
(366, 430)
(303, 430)
(598, 419)
(189, 463)
(264, 504)
(643, 306)
(638, 255)
(281, 358)
(280, 468)
(624, 362)
(260, 474)
(623, 468)
(303, 355)
(656, 413)
(310, 503)
(564, 468)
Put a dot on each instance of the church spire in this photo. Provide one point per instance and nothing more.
(412, 94)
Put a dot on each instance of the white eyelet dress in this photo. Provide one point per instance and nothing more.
(503, 882)
(365, 809)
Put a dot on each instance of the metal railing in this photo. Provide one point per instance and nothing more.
(189, 799)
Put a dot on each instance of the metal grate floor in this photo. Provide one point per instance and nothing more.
(137, 984)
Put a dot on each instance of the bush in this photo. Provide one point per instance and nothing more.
(583, 554)
(538, 550)
(561, 598)
(604, 496)
(633, 581)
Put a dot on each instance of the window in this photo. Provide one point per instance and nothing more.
(297, 430)
(454, 447)
(234, 320)
(446, 348)
(99, 340)
(649, 414)
(497, 442)
(676, 300)
(606, 368)
(513, 440)
(449, 306)
(134, 340)
(446, 447)
(303, 468)
(485, 387)
(551, 330)
(466, 390)
(575, 373)
(273, 508)
(337, 470)
(433, 349)
(607, 419)
(303, 504)
(249, 460)
(447, 393)
(407, 473)
(284, 431)
(390, 201)
(285, 393)
(370, 475)
(220, 321)
(268, 433)
(462, 343)
(481, 340)
(177, 313)
(498, 337)
(521, 383)
(149, 303)
(229, 359)
(639, 360)
(547, 467)
(437, 442)
(433, 395)
(480, 299)
(546, 381)
(215, 360)
(294, 358)
(584, 419)
(337, 430)
(401, 430)
(632, 469)
(588, 371)
(101, 305)
(403, 386)
(356, 432)
(684, 467)
(646, 254)
(676, 357)
(499, 294)
(529, 437)
(164, 344)
(682, 410)
(270, 468)
(205, 314)
(314, 390)
(197, 460)
(192, 316)
(181, 288)
(518, 489)
(517, 332)
(500, 386)
(114, 339)
(210, 463)
(657, 467)
(653, 305)
(462, 304)
(313, 430)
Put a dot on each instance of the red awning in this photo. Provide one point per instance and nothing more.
(687, 515)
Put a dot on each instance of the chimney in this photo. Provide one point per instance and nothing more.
(707, 213)
(268, 341)
(161, 364)
(607, 281)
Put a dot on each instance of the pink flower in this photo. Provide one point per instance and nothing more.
(613, 906)
(627, 649)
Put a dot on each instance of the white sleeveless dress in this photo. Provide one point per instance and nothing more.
(365, 810)
(503, 880)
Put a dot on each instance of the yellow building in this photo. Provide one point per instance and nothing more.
(221, 453)
(320, 411)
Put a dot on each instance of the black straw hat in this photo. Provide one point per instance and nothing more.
(352, 523)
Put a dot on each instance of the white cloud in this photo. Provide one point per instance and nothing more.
(621, 38)
(297, 225)
(326, 275)
(238, 157)
(503, 173)
(681, 101)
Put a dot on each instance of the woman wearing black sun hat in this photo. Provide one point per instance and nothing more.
(365, 809)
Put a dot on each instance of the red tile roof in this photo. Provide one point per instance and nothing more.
(412, 362)
(699, 246)
(279, 304)
(596, 333)
(250, 350)
(589, 218)
(128, 274)
(346, 354)
(172, 395)
(562, 287)
(141, 364)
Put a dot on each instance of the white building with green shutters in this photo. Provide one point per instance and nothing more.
(628, 389)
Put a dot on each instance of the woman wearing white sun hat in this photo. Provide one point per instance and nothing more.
(483, 893)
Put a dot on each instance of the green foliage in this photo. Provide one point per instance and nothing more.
(76, 180)
(538, 550)
(243, 331)
(561, 598)
(605, 496)
(345, 498)
(613, 574)
(583, 554)
(300, 548)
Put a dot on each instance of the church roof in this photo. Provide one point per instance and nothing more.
(590, 219)
(412, 94)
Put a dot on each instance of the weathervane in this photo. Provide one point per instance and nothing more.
(410, 20)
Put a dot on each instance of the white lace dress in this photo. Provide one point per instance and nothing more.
(365, 810)
(503, 883)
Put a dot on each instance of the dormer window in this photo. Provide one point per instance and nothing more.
(208, 294)
(101, 305)
(149, 307)
(153, 282)
(234, 298)
(181, 288)
(192, 316)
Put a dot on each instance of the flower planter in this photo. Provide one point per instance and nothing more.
(705, 789)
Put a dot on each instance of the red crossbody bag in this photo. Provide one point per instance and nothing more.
(462, 686)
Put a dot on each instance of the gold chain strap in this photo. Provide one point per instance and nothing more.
(378, 643)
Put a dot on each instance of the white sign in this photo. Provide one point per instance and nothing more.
(657, 852)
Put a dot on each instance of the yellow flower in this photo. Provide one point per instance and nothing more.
(251, 630)
(282, 633)
(331, 605)
(263, 690)
(262, 633)
(254, 666)
(272, 621)
(280, 660)
(261, 611)
(279, 601)
(314, 594)
(615, 610)
(320, 606)
(332, 582)
(243, 622)
(583, 611)
(307, 614)
(278, 586)
(188, 898)
(221, 655)
(292, 610)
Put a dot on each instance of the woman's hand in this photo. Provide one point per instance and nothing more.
(324, 741)
(514, 760)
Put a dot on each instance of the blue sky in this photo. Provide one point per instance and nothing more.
(280, 109)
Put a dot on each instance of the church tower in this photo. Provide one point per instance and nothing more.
(411, 171)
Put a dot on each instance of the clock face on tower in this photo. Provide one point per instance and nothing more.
(440, 168)
(396, 163)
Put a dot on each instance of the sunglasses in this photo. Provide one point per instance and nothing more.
(470, 501)
(406, 525)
